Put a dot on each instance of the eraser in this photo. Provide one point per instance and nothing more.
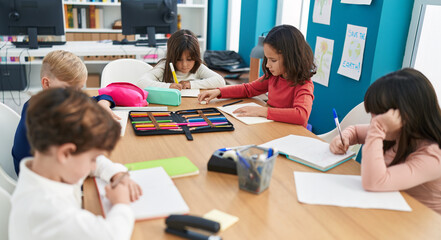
(203, 102)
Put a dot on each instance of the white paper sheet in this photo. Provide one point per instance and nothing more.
(247, 120)
(124, 115)
(190, 92)
(360, 2)
(353, 51)
(344, 191)
(323, 57)
(322, 12)
(160, 196)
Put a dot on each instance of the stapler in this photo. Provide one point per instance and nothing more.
(178, 224)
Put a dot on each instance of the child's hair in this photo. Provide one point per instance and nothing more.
(297, 54)
(58, 116)
(65, 66)
(409, 91)
(180, 41)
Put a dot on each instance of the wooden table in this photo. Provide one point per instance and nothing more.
(273, 214)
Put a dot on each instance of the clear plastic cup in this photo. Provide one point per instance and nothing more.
(255, 168)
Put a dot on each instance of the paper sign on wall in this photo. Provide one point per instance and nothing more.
(353, 50)
(361, 2)
(322, 11)
(323, 57)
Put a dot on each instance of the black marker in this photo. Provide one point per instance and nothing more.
(231, 103)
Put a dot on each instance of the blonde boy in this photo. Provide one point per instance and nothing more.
(59, 69)
(67, 140)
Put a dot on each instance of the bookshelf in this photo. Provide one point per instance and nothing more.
(193, 14)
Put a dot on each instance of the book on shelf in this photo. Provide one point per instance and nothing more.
(311, 152)
(92, 16)
(160, 196)
(75, 17)
(83, 18)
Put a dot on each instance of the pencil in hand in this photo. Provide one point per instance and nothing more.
(118, 180)
(173, 73)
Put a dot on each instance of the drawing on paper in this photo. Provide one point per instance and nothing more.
(323, 57)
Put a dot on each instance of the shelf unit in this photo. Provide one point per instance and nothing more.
(193, 17)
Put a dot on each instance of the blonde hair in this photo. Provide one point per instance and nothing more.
(65, 66)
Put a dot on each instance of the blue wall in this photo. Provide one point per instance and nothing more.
(217, 24)
(256, 17)
(387, 23)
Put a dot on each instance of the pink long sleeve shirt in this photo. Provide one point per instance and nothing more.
(288, 104)
(419, 175)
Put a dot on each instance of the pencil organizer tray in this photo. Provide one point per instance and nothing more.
(163, 96)
(179, 122)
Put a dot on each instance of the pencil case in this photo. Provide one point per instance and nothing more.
(179, 122)
(163, 96)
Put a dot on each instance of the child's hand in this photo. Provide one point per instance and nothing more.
(106, 105)
(176, 86)
(119, 194)
(391, 121)
(135, 190)
(207, 96)
(185, 84)
(252, 111)
(337, 147)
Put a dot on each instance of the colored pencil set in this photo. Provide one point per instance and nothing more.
(184, 121)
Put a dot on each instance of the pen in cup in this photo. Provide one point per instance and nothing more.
(118, 180)
(173, 73)
(231, 103)
(337, 124)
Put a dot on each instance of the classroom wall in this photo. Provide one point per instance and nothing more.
(387, 23)
(217, 24)
(256, 17)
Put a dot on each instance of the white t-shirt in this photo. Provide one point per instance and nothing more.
(47, 209)
(203, 78)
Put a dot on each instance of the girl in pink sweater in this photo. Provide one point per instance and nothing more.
(288, 66)
(402, 143)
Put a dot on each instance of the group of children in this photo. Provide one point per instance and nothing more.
(68, 133)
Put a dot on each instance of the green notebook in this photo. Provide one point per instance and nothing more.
(175, 167)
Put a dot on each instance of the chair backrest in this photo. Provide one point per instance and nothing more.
(123, 70)
(8, 125)
(357, 115)
(6, 182)
(5, 209)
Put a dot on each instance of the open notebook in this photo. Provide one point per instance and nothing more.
(160, 196)
(308, 151)
(247, 120)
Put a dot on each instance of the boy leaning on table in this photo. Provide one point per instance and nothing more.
(69, 133)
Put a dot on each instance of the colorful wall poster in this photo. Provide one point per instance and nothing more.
(322, 11)
(353, 50)
(361, 2)
(323, 57)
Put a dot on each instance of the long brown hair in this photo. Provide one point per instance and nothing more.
(409, 91)
(297, 54)
(180, 41)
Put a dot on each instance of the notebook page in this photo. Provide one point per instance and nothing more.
(247, 120)
(160, 196)
(306, 148)
(344, 191)
(124, 115)
(190, 92)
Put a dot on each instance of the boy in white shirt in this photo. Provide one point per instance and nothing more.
(68, 134)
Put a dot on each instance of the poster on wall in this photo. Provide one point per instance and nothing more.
(322, 11)
(360, 2)
(353, 50)
(323, 57)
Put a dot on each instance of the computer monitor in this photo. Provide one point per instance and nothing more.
(32, 18)
(149, 17)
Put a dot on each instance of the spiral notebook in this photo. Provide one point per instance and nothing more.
(160, 196)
